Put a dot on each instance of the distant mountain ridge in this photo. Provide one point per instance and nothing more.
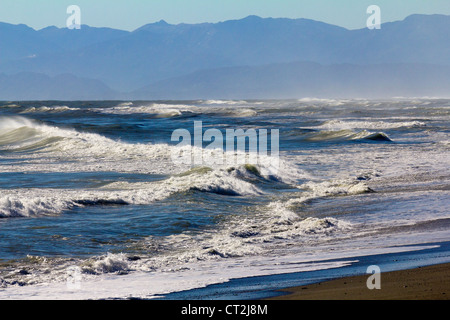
(160, 60)
(37, 86)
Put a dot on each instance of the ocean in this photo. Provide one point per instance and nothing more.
(96, 201)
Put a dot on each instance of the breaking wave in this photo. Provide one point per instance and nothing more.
(22, 134)
(337, 125)
(347, 130)
(42, 202)
(346, 135)
(52, 109)
(158, 110)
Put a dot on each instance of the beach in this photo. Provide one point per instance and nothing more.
(422, 283)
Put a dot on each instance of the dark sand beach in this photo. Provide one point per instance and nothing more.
(422, 283)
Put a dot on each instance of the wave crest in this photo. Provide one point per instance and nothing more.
(347, 135)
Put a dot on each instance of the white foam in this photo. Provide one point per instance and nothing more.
(52, 109)
(225, 102)
(111, 263)
(335, 188)
(242, 112)
(340, 124)
(333, 102)
(12, 123)
(162, 110)
(152, 283)
(19, 204)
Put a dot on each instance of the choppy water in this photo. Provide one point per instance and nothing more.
(92, 185)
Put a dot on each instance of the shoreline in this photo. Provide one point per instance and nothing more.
(421, 283)
(278, 286)
(408, 259)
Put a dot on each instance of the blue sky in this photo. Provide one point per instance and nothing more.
(131, 14)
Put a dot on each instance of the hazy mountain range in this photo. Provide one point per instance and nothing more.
(248, 58)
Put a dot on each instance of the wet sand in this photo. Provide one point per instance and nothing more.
(423, 283)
